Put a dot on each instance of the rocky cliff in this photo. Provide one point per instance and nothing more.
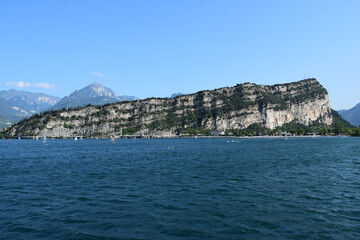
(305, 102)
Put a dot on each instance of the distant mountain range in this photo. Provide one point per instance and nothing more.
(29, 101)
(352, 115)
(94, 94)
(16, 105)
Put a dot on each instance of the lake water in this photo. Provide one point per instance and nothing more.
(300, 188)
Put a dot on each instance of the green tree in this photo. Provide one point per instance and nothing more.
(338, 128)
(356, 132)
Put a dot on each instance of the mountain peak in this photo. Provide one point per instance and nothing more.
(95, 90)
(95, 94)
(102, 91)
(95, 84)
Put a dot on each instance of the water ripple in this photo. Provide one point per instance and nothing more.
(202, 189)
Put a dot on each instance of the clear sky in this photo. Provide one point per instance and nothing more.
(156, 48)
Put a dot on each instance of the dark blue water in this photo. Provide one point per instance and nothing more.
(302, 188)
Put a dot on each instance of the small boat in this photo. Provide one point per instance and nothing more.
(45, 138)
(75, 138)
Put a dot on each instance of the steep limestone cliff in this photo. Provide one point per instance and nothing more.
(237, 107)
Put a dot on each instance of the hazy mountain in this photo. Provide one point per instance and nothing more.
(94, 94)
(352, 115)
(11, 113)
(16, 105)
(177, 94)
(29, 101)
(4, 122)
(128, 98)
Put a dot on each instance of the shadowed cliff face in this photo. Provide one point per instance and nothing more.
(235, 107)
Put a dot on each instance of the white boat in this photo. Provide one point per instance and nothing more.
(75, 138)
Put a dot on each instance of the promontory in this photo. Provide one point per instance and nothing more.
(305, 102)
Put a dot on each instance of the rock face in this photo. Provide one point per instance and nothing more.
(237, 107)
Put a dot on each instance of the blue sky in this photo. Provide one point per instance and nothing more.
(156, 48)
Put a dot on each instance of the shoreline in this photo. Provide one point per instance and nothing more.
(169, 137)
